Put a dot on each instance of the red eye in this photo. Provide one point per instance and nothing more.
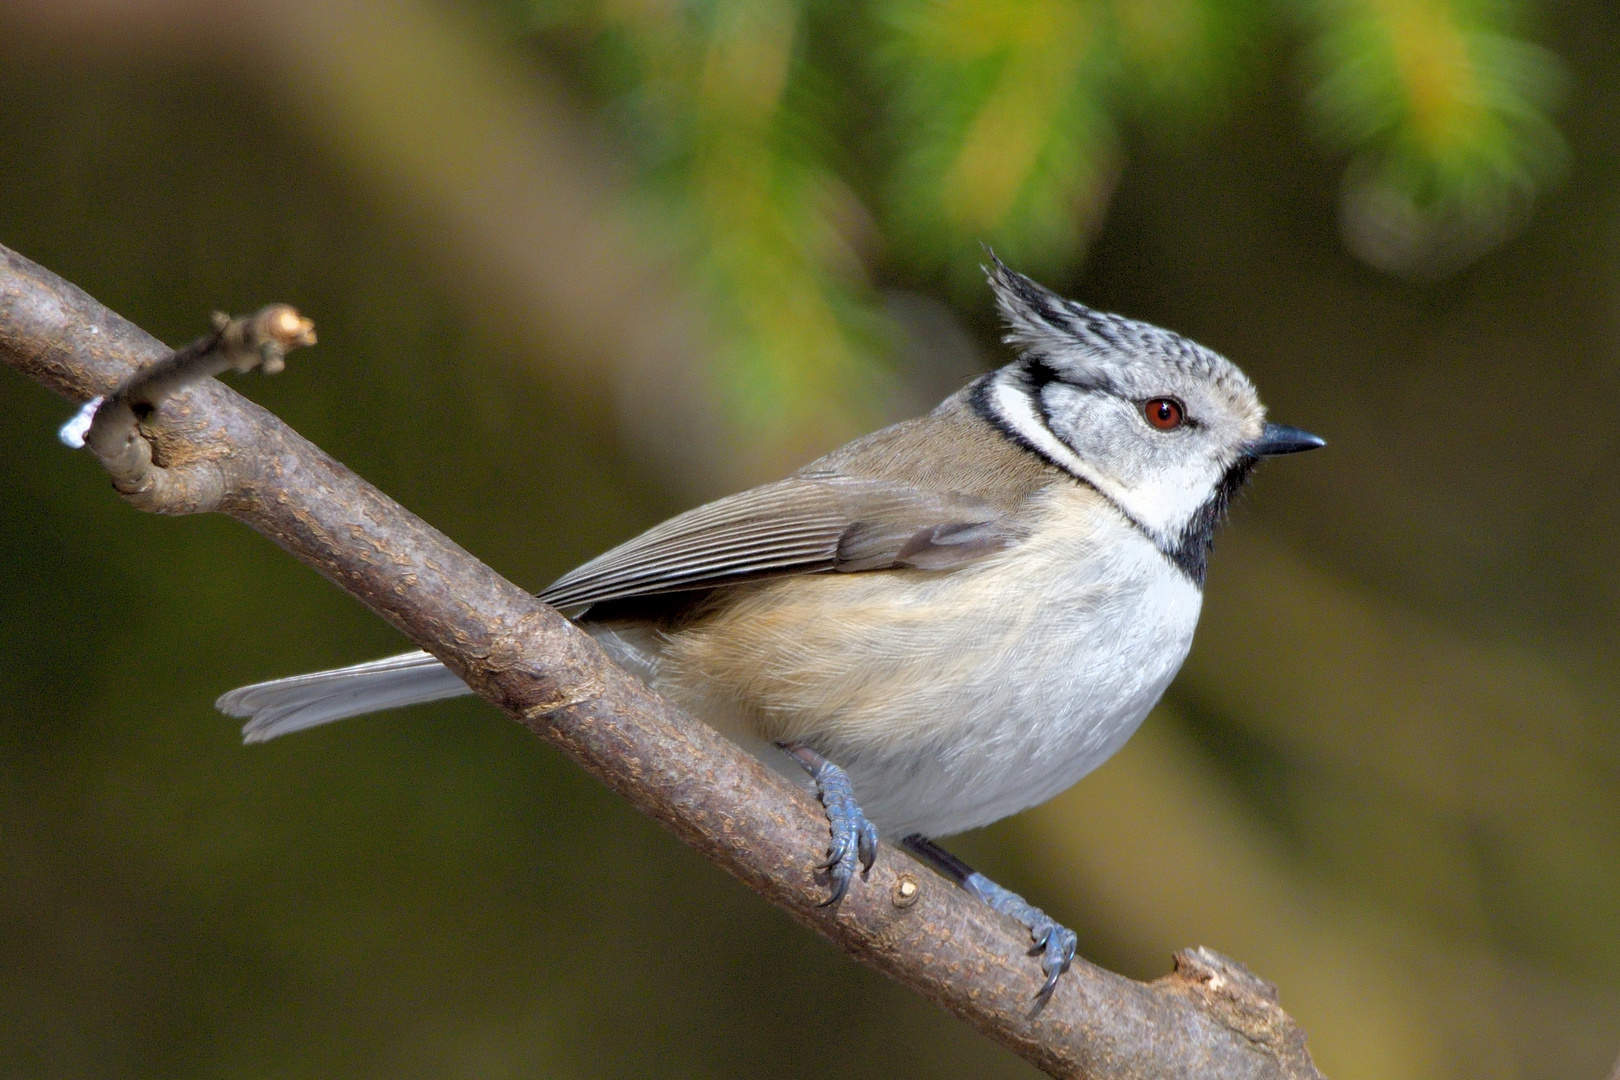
(1164, 413)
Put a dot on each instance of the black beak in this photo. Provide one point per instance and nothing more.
(1281, 439)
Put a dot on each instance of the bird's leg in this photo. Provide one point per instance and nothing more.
(1054, 943)
(853, 837)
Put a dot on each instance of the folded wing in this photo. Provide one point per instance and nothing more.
(806, 524)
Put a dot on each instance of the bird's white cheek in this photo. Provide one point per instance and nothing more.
(1164, 504)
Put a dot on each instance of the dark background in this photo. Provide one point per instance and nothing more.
(1388, 779)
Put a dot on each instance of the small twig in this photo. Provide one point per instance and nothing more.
(110, 426)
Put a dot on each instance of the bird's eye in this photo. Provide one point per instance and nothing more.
(1164, 413)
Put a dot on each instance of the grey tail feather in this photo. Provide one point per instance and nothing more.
(305, 701)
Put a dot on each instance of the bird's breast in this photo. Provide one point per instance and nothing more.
(952, 698)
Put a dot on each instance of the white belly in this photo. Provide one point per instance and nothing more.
(957, 698)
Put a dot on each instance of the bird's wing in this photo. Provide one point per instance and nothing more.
(809, 523)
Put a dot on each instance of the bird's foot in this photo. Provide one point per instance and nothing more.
(1053, 943)
(854, 838)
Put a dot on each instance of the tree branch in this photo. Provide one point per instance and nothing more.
(217, 450)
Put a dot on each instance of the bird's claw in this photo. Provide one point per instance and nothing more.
(1055, 945)
(854, 839)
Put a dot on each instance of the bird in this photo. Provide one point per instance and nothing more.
(942, 623)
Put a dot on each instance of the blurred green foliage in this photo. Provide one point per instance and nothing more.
(1446, 117)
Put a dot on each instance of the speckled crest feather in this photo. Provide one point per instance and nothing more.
(1085, 345)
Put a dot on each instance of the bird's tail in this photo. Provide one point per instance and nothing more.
(305, 701)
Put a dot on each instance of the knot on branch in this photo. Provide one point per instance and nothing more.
(1244, 1002)
(259, 341)
(111, 427)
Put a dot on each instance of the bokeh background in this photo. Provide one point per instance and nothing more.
(579, 264)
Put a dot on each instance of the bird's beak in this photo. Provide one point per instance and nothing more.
(1280, 439)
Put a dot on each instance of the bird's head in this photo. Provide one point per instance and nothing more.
(1166, 429)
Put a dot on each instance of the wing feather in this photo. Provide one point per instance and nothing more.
(807, 524)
